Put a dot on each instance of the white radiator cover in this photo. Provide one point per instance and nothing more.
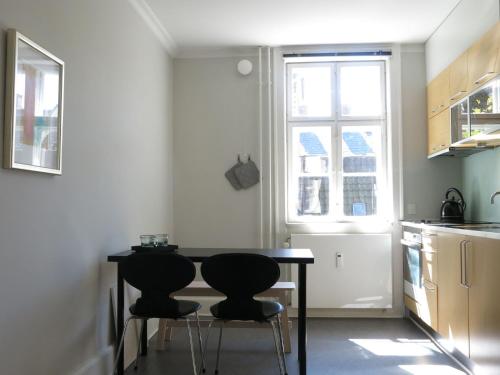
(365, 279)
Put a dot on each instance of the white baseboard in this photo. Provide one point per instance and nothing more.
(102, 363)
(347, 313)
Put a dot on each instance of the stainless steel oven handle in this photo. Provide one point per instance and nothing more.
(411, 244)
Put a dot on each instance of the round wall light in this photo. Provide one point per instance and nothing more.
(245, 67)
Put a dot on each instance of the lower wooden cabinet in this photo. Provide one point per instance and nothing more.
(483, 268)
(453, 296)
(468, 298)
(426, 309)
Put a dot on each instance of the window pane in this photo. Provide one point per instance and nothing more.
(360, 91)
(361, 152)
(484, 109)
(313, 197)
(360, 196)
(361, 146)
(311, 91)
(311, 169)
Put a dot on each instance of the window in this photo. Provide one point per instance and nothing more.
(336, 140)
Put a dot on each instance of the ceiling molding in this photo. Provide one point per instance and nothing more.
(216, 52)
(149, 16)
(413, 47)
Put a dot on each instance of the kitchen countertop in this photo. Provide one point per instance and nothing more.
(492, 233)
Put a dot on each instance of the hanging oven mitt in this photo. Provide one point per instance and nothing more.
(231, 177)
(247, 174)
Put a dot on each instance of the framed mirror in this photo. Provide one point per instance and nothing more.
(33, 126)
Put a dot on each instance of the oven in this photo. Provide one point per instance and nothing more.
(413, 262)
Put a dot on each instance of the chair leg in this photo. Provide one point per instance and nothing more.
(192, 348)
(122, 339)
(200, 341)
(285, 324)
(136, 365)
(218, 350)
(282, 346)
(205, 346)
(276, 346)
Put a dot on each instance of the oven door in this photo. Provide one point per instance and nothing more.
(412, 269)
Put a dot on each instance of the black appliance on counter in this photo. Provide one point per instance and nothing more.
(453, 206)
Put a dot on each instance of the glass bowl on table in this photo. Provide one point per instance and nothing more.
(148, 240)
(161, 240)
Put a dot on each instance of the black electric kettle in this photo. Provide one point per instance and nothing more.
(453, 208)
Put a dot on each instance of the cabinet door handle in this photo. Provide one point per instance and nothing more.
(457, 95)
(462, 282)
(483, 77)
(466, 273)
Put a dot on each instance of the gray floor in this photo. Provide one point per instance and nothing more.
(335, 346)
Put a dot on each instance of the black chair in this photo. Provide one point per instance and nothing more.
(157, 275)
(240, 277)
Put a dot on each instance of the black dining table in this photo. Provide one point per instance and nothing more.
(301, 257)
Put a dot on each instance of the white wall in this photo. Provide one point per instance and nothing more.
(55, 232)
(216, 118)
(468, 21)
(215, 108)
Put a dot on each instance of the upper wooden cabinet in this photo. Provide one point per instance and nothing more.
(497, 69)
(439, 136)
(458, 78)
(438, 98)
(482, 58)
(472, 69)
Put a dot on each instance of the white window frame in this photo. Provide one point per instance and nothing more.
(335, 123)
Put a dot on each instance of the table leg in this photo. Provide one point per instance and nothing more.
(144, 338)
(302, 328)
(119, 317)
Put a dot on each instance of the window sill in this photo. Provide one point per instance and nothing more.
(361, 227)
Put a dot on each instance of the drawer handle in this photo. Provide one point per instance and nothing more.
(431, 288)
(428, 251)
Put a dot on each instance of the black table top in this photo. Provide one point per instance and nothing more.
(200, 254)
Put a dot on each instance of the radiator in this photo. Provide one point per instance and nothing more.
(350, 270)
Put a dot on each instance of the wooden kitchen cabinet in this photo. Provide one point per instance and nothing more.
(439, 133)
(482, 58)
(458, 78)
(430, 312)
(438, 94)
(483, 262)
(429, 257)
(497, 69)
(453, 297)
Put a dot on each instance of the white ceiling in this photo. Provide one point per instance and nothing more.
(236, 23)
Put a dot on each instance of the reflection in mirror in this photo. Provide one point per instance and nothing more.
(37, 109)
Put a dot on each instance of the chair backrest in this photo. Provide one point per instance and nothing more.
(240, 276)
(158, 272)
